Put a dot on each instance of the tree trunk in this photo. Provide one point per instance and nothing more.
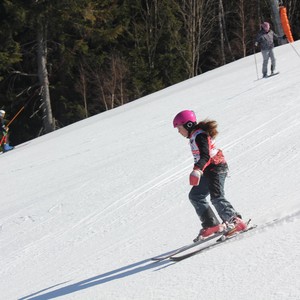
(221, 16)
(43, 78)
(243, 27)
(225, 31)
(83, 89)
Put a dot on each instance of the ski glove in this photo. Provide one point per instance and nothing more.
(195, 177)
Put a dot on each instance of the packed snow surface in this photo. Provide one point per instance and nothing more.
(83, 209)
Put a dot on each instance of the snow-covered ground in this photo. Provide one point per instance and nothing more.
(83, 209)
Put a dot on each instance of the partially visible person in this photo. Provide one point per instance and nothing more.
(4, 133)
(265, 39)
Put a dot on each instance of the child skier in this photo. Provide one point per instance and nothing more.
(208, 176)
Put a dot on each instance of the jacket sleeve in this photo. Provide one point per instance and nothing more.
(202, 143)
(276, 35)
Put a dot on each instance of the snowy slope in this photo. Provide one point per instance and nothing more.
(84, 208)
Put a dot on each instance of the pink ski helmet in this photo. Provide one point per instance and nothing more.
(265, 26)
(187, 118)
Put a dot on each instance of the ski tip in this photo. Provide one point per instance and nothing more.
(157, 259)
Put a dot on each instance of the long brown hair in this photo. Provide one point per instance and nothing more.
(209, 126)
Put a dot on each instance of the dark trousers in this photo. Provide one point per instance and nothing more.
(212, 184)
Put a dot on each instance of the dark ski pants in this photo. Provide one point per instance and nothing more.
(213, 184)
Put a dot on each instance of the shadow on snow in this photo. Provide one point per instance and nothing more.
(119, 273)
(135, 268)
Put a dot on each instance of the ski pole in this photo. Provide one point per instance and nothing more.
(255, 64)
(22, 108)
(294, 49)
(2, 140)
(15, 116)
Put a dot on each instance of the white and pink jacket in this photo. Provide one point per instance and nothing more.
(204, 150)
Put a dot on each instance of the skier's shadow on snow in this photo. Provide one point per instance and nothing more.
(129, 270)
(120, 273)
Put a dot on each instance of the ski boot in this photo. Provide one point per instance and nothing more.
(7, 147)
(206, 232)
(235, 225)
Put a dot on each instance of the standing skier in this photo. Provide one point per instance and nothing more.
(208, 176)
(265, 39)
